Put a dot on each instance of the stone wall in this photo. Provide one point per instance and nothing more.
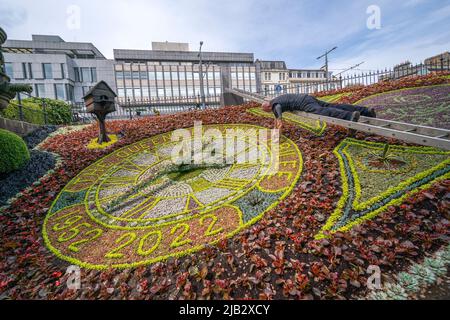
(18, 127)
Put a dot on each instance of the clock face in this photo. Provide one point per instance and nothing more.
(136, 206)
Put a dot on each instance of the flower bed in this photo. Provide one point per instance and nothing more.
(369, 189)
(333, 98)
(278, 257)
(315, 126)
(428, 106)
(353, 94)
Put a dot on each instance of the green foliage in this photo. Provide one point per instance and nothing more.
(14, 153)
(32, 112)
(58, 112)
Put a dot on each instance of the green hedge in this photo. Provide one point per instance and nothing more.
(58, 112)
(14, 153)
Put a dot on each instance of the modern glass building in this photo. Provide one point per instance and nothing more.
(172, 71)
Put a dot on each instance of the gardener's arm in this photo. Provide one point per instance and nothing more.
(278, 112)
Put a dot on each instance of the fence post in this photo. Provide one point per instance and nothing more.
(44, 109)
(19, 100)
(129, 109)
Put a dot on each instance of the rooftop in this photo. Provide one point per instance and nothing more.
(50, 44)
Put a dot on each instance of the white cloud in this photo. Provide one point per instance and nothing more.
(293, 30)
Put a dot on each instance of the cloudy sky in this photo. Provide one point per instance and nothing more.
(297, 31)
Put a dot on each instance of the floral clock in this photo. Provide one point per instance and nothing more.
(133, 207)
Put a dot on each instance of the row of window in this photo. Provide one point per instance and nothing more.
(268, 76)
(154, 92)
(244, 78)
(294, 75)
(59, 91)
(81, 74)
(166, 76)
(243, 75)
(309, 74)
(27, 71)
(85, 74)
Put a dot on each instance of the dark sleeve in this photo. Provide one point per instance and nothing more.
(277, 111)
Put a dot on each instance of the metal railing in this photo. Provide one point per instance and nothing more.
(18, 111)
(360, 79)
(137, 108)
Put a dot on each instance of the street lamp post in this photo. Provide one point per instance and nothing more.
(202, 88)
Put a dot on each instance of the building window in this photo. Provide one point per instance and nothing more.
(167, 76)
(24, 70)
(136, 75)
(86, 75)
(94, 74)
(63, 75)
(151, 76)
(145, 93)
(129, 93)
(160, 93)
(127, 75)
(9, 69)
(76, 71)
(119, 75)
(174, 76)
(85, 90)
(121, 92)
(144, 75)
(30, 71)
(47, 70)
(70, 93)
(60, 92)
(159, 75)
(137, 93)
(40, 90)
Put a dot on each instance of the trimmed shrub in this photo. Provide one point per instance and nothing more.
(14, 153)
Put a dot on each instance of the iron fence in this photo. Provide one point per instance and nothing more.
(131, 109)
(361, 79)
(18, 111)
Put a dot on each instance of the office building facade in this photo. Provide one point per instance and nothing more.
(172, 71)
(57, 69)
(276, 75)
